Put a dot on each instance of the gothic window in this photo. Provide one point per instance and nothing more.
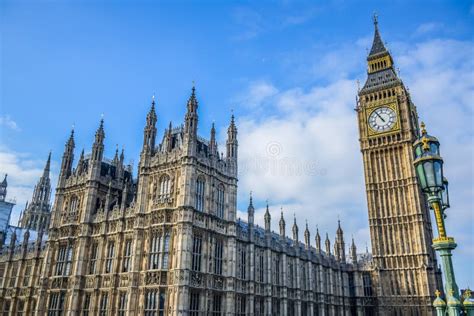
(165, 187)
(218, 250)
(6, 308)
(259, 273)
(276, 306)
(122, 304)
(93, 258)
(104, 300)
(194, 303)
(367, 282)
(200, 184)
(216, 304)
(127, 255)
(20, 308)
(259, 306)
(154, 252)
(13, 273)
(64, 260)
(166, 250)
(240, 305)
(291, 308)
(303, 276)
(220, 201)
(56, 304)
(155, 302)
(73, 206)
(242, 262)
(110, 257)
(86, 304)
(276, 269)
(197, 253)
(26, 276)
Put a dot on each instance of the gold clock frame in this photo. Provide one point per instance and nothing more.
(392, 104)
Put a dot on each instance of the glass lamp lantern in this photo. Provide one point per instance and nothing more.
(429, 164)
(444, 194)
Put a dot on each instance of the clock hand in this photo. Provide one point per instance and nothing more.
(380, 117)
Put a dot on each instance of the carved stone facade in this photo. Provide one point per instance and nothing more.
(169, 242)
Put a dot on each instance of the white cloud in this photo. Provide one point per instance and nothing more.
(426, 28)
(7, 121)
(316, 128)
(257, 93)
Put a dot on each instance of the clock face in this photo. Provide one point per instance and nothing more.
(382, 119)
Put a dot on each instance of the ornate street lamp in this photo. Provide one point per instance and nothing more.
(429, 169)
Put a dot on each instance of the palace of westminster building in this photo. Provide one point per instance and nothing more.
(168, 242)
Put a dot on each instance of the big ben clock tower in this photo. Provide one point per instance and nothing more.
(405, 269)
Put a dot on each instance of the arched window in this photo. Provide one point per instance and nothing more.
(200, 183)
(166, 251)
(220, 201)
(73, 206)
(164, 186)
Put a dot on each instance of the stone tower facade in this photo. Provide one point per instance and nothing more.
(405, 269)
(37, 213)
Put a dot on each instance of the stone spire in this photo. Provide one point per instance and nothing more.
(307, 236)
(353, 252)
(378, 46)
(47, 167)
(169, 137)
(212, 142)
(68, 157)
(295, 230)
(317, 239)
(41, 193)
(80, 163)
(149, 132)
(3, 188)
(98, 146)
(328, 245)
(339, 246)
(282, 226)
(268, 219)
(191, 118)
(251, 211)
(232, 139)
(115, 161)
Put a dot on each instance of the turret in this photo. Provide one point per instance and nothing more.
(307, 237)
(68, 157)
(317, 239)
(149, 132)
(282, 226)
(328, 245)
(268, 219)
(295, 230)
(98, 146)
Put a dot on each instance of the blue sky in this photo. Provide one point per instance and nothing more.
(287, 69)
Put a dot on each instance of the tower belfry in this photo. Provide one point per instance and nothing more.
(406, 274)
